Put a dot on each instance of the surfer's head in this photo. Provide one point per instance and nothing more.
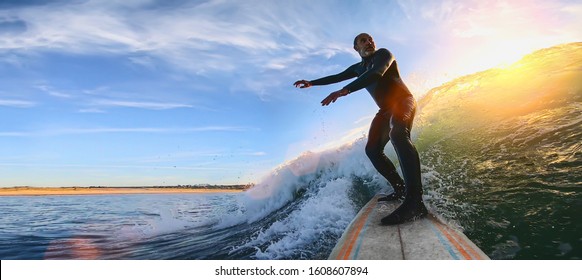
(364, 45)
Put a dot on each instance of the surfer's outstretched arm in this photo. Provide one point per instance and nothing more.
(346, 74)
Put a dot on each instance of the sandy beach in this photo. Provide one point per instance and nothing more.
(35, 191)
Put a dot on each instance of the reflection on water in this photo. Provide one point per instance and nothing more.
(99, 226)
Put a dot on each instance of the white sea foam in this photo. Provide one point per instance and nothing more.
(305, 173)
(326, 181)
(326, 214)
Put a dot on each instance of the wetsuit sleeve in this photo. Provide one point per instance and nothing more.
(346, 74)
(381, 62)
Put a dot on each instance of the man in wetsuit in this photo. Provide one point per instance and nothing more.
(378, 73)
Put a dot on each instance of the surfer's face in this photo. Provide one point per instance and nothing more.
(365, 45)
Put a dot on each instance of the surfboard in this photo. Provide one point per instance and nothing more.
(428, 238)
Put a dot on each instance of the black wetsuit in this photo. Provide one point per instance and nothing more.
(380, 76)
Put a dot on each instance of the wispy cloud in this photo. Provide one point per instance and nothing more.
(16, 103)
(76, 131)
(206, 35)
(90, 26)
(140, 105)
(498, 19)
(102, 98)
(365, 119)
(14, 134)
(53, 92)
(143, 61)
(219, 35)
(91, 110)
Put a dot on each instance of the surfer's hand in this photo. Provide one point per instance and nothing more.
(334, 96)
(302, 84)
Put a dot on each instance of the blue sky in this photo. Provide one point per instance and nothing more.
(145, 92)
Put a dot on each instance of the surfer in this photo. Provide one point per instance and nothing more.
(378, 73)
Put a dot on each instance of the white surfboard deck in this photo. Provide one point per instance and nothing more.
(423, 239)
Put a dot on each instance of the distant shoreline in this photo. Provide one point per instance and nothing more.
(43, 191)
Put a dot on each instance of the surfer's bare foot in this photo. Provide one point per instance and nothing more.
(407, 212)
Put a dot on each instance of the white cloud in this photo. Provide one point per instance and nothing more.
(366, 119)
(188, 36)
(473, 18)
(16, 103)
(245, 42)
(141, 105)
(98, 130)
(91, 110)
(14, 134)
(256, 37)
(143, 61)
(53, 92)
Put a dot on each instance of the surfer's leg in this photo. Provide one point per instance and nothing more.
(378, 137)
(413, 206)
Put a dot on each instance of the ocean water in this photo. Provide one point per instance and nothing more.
(288, 216)
(501, 159)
